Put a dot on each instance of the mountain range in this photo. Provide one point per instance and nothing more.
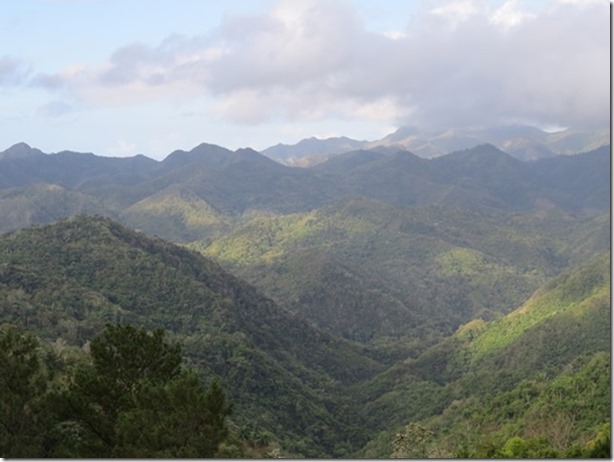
(205, 191)
(540, 371)
(522, 142)
(376, 304)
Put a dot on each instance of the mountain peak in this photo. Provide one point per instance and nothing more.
(208, 154)
(19, 151)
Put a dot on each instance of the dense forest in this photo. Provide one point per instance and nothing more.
(218, 304)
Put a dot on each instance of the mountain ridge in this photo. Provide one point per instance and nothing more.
(521, 141)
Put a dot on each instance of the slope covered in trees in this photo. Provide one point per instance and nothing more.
(194, 195)
(383, 320)
(66, 281)
(534, 383)
(368, 270)
(290, 384)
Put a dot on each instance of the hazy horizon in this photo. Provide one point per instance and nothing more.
(121, 78)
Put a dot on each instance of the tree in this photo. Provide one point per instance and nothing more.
(187, 422)
(23, 383)
(534, 448)
(134, 400)
(411, 443)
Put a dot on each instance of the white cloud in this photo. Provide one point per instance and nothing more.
(462, 63)
(457, 11)
(583, 2)
(122, 148)
(510, 15)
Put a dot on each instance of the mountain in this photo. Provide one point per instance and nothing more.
(389, 304)
(483, 176)
(312, 150)
(176, 213)
(65, 281)
(244, 180)
(45, 203)
(537, 378)
(522, 142)
(496, 386)
(368, 270)
(20, 151)
(209, 179)
(227, 188)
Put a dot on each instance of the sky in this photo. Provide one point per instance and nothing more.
(123, 77)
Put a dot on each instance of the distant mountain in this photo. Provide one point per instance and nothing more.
(312, 150)
(522, 142)
(229, 183)
(20, 151)
(483, 176)
(228, 186)
(73, 170)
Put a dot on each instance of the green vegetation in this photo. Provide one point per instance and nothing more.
(400, 307)
(127, 397)
(506, 386)
(534, 383)
(376, 273)
(65, 282)
(179, 216)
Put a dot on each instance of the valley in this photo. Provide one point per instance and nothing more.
(375, 304)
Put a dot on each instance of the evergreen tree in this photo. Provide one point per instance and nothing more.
(135, 401)
(23, 382)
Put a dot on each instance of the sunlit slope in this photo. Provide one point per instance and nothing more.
(539, 371)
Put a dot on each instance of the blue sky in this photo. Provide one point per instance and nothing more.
(121, 77)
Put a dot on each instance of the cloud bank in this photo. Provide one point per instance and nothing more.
(457, 64)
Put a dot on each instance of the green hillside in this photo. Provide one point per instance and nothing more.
(368, 270)
(44, 203)
(177, 215)
(65, 281)
(378, 304)
(535, 380)
(139, 191)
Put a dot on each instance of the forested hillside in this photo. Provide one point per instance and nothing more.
(368, 270)
(300, 391)
(202, 193)
(378, 304)
(66, 281)
(534, 383)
